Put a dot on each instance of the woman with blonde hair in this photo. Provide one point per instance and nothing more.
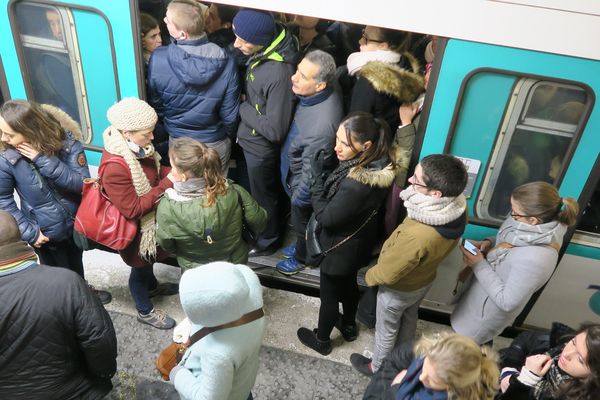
(450, 366)
(512, 266)
(200, 218)
(134, 180)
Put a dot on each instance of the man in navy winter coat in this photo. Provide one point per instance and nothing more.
(193, 84)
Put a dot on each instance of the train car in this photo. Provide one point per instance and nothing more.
(512, 92)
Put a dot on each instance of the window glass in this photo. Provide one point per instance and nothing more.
(534, 147)
(51, 59)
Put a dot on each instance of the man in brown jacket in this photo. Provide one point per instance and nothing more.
(409, 259)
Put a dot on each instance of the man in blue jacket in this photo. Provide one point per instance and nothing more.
(266, 113)
(313, 129)
(193, 84)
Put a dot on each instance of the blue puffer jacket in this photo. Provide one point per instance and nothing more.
(194, 87)
(49, 189)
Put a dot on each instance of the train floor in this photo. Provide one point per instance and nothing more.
(288, 370)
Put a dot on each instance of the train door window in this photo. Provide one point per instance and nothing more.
(536, 139)
(52, 60)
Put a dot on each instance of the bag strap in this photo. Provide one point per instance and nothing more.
(244, 319)
(240, 202)
(351, 235)
(505, 245)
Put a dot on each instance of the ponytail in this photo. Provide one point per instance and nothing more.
(362, 127)
(198, 160)
(568, 211)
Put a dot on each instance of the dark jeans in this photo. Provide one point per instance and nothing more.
(265, 186)
(300, 217)
(367, 307)
(336, 289)
(141, 281)
(63, 254)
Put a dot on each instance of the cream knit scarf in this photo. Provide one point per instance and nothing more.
(115, 143)
(432, 210)
(358, 60)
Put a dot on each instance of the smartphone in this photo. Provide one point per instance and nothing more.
(470, 247)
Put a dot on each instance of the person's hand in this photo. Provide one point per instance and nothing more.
(407, 112)
(482, 245)
(399, 377)
(317, 163)
(539, 364)
(27, 150)
(505, 383)
(41, 240)
(471, 259)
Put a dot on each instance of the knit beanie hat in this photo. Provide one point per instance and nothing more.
(256, 27)
(132, 114)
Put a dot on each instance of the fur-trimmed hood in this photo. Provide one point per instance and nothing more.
(64, 119)
(377, 174)
(392, 80)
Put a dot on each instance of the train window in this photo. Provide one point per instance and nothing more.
(535, 140)
(52, 60)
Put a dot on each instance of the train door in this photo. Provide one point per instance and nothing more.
(79, 56)
(518, 116)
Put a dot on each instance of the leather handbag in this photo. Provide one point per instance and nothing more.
(173, 353)
(99, 220)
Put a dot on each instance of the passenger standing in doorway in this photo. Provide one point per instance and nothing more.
(345, 204)
(315, 122)
(407, 264)
(266, 113)
(133, 179)
(193, 84)
(512, 266)
(43, 160)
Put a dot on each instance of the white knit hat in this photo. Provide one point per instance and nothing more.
(132, 114)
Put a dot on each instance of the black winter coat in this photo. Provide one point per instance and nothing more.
(361, 192)
(399, 359)
(56, 340)
(266, 114)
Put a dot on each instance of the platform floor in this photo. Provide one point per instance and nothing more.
(288, 370)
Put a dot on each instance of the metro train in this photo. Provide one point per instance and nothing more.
(512, 92)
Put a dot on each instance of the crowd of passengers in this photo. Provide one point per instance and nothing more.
(323, 134)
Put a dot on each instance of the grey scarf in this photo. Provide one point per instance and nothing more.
(518, 234)
(193, 187)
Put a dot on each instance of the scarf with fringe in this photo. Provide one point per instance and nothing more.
(432, 210)
(115, 143)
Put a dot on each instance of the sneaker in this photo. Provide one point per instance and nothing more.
(289, 266)
(164, 289)
(309, 339)
(289, 251)
(104, 296)
(157, 318)
(348, 331)
(362, 364)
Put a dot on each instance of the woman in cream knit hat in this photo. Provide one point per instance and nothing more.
(134, 180)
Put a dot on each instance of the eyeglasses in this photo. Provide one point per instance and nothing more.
(415, 183)
(367, 39)
(515, 215)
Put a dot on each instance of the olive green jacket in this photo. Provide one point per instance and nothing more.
(196, 234)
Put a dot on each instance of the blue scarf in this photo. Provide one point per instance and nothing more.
(411, 387)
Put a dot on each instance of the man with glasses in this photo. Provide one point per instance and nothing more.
(407, 264)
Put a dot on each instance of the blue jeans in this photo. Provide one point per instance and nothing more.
(141, 281)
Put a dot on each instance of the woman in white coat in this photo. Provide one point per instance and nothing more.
(511, 267)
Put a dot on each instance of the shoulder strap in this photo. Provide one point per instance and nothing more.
(351, 235)
(244, 319)
(115, 159)
(504, 245)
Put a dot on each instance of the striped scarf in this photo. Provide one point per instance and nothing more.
(15, 257)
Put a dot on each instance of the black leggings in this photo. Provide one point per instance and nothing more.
(63, 254)
(336, 289)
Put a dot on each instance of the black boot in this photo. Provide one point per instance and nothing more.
(309, 339)
(348, 331)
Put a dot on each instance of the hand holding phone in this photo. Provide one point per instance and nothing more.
(470, 247)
